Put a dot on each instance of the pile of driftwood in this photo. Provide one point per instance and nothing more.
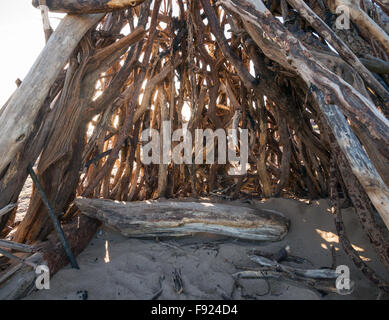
(309, 81)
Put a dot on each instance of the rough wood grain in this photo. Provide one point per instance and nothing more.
(19, 280)
(95, 6)
(174, 218)
(16, 121)
(7, 209)
(330, 92)
(317, 285)
(16, 246)
(307, 273)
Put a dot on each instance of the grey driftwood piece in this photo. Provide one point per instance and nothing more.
(16, 246)
(7, 209)
(178, 218)
(18, 117)
(307, 273)
(19, 281)
(316, 285)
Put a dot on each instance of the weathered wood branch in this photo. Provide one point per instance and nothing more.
(16, 246)
(362, 19)
(91, 6)
(7, 209)
(317, 285)
(307, 273)
(376, 65)
(173, 218)
(19, 281)
(326, 32)
(359, 161)
(16, 121)
(331, 93)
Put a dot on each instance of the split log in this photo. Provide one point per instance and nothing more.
(174, 218)
(83, 7)
(17, 119)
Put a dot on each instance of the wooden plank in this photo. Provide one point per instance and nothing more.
(17, 119)
(179, 218)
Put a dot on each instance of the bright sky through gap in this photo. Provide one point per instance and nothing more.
(22, 41)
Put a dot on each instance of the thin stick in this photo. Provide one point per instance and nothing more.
(16, 246)
(7, 209)
(54, 218)
(12, 256)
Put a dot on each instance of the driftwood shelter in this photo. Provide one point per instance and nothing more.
(309, 80)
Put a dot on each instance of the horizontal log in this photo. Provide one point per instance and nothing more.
(92, 6)
(178, 218)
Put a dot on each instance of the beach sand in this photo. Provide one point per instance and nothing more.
(115, 267)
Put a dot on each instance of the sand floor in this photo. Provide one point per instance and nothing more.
(115, 267)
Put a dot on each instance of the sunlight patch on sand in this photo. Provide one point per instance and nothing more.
(106, 258)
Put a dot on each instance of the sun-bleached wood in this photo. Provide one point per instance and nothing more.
(82, 7)
(178, 218)
(17, 120)
(326, 87)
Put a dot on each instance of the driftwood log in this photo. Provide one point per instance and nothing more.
(83, 7)
(317, 285)
(178, 218)
(7, 209)
(329, 91)
(226, 64)
(19, 280)
(321, 281)
(18, 116)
